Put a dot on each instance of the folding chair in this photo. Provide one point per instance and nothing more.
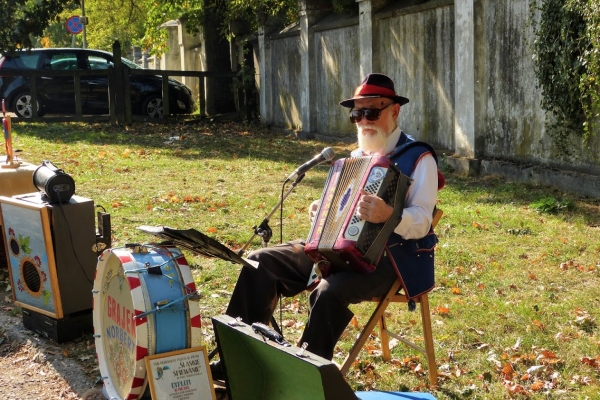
(378, 317)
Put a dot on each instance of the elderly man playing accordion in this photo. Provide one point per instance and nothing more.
(284, 270)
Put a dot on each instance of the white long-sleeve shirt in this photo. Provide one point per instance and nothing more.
(421, 196)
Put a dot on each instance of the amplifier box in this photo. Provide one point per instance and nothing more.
(51, 253)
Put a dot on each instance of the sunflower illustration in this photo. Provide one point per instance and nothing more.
(31, 277)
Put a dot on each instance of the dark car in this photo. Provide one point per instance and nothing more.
(57, 93)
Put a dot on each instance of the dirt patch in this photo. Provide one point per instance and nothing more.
(34, 367)
(37, 368)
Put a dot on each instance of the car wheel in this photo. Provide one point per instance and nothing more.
(152, 107)
(23, 108)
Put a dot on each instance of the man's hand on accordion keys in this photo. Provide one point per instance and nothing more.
(312, 210)
(373, 209)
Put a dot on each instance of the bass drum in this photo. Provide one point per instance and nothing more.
(145, 303)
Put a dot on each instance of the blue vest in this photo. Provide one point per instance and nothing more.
(413, 259)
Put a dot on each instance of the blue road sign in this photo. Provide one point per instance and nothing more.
(74, 25)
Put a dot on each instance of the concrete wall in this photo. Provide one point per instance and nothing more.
(416, 54)
(410, 44)
(337, 63)
(465, 65)
(285, 81)
(172, 58)
(190, 53)
(510, 123)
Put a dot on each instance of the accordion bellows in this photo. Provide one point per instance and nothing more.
(338, 239)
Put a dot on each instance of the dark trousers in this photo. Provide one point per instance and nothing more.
(284, 270)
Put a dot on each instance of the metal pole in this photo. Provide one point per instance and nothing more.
(83, 15)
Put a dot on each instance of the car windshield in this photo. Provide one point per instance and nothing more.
(130, 64)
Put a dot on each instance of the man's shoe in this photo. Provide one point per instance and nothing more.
(217, 371)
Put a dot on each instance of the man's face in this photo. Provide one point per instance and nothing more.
(372, 135)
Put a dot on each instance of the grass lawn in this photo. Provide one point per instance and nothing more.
(517, 299)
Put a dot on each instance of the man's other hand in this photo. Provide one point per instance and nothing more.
(373, 209)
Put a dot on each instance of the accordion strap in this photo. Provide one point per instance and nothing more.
(372, 255)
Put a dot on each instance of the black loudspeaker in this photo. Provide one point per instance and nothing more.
(66, 329)
(256, 369)
(54, 184)
(51, 251)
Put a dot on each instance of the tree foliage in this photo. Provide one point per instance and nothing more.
(56, 35)
(110, 20)
(567, 61)
(23, 21)
(122, 20)
(193, 13)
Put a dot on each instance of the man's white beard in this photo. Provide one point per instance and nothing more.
(372, 143)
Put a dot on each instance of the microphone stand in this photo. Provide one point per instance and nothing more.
(264, 230)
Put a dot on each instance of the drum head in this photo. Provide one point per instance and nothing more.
(127, 328)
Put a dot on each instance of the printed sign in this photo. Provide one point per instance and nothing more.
(180, 375)
(74, 24)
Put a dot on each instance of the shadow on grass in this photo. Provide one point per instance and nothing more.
(202, 140)
(497, 190)
(235, 140)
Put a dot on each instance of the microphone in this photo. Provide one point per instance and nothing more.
(326, 155)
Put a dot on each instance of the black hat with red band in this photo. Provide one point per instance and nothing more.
(375, 85)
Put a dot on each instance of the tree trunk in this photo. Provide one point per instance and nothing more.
(219, 93)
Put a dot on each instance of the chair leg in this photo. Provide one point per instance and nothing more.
(428, 336)
(364, 335)
(385, 339)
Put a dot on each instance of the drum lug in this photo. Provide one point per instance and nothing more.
(137, 248)
(194, 296)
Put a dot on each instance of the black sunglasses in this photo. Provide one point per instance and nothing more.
(371, 114)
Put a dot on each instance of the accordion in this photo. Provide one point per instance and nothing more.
(339, 240)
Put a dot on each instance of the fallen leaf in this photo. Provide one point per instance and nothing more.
(517, 344)
(480, 332)
(508, 371)
(592, 362)
(441, 310)
(538, 324)
(532, 276)
(537, 385)
(564, 266)
(548, 354)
